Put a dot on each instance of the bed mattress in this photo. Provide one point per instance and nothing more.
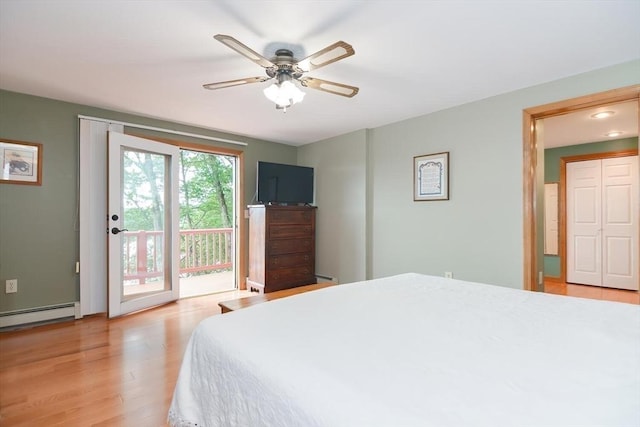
(414, 350)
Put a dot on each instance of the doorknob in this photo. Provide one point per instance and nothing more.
(116, 230)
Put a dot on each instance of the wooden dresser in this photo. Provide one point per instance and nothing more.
(282, 247)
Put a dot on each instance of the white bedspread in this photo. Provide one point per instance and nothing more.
(414, 350)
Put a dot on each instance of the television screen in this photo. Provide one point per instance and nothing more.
(280, 183)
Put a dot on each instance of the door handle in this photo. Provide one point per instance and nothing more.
(116, 230)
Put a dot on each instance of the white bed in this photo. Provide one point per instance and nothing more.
(414, 350)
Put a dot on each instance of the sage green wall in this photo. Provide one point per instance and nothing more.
(478, 233)
(340, 180)
(39, 225)
(552, 158)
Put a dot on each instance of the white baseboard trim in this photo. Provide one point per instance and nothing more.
(40, 314)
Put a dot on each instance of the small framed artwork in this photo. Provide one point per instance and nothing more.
(431, 177)
(21, 162)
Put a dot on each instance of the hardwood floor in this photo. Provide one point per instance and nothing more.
(592, 292)
(99, 372)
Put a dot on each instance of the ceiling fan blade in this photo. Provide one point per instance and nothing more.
(231, 83)
(331, 87)
(335, 52)
(244, 50)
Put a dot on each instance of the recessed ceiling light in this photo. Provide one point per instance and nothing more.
(613, 133)
(602, 115)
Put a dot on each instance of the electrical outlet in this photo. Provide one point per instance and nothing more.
(448, 274)
(11, 286)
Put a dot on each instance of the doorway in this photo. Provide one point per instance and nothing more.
(93, 209)
(533, 178)
(208, 183)
(172, 223)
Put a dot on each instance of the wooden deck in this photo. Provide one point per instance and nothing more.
(191, 286)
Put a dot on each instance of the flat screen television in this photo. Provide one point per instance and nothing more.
(284, 184)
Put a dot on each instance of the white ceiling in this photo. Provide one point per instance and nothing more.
(412, 57)
(580, 127)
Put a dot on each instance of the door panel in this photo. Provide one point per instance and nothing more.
(620, 222)
(142, 223)
(619, 259)
(584, 222)
(586, 261)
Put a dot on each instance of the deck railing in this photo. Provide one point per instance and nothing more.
(204, 250)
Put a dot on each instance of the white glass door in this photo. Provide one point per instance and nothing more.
(142, 223)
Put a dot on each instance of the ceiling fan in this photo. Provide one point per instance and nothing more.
(286, 70)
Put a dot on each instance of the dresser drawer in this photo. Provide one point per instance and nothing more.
(291, 217)
(287, 246)
(290, 275)
(287, 231)
(290, 260)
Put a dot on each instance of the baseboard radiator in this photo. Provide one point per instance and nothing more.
(40, 314)
(326, 277)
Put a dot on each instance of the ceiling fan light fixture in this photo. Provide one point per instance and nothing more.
(284, 94)
(286, 70)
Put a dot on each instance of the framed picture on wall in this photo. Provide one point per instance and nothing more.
(431, 177)
(21, 162)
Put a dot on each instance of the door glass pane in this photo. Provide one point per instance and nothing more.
(146, 246)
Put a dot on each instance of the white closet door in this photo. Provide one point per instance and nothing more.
(620, 222)
(603, 248)
(584, 222)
